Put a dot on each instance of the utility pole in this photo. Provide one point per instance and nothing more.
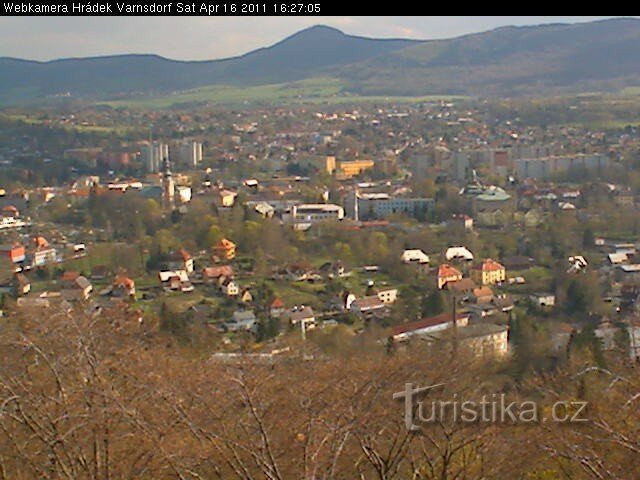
(454, 320)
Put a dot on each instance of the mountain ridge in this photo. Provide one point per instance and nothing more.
(510, 60)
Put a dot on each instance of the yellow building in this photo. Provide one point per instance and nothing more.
(353, 168)
(330, 164)
(489, 272)
(227, 198)
(225, 249)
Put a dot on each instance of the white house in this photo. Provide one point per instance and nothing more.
(230, 288)
(414, 256)
(388, 295)
(543, 299)
(298, 315)
(577, 263)
(458, 253)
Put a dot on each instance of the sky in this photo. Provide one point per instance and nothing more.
(204, 38)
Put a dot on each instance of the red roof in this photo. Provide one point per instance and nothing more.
(41, 242)
(215, 272)
(425, 323)
(184, 254)
(123, 281)
(446, 270)
(225, 244)
(70, 276)
(277, 303)
(489, 265)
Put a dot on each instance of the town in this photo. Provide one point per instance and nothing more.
(254, 247)
(324, 225)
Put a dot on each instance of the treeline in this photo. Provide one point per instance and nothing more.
(86, 396)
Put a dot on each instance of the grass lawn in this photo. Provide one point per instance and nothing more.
(180, 302)
(296, 294)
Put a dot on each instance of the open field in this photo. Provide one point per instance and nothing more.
(36, 121)
(315, 90)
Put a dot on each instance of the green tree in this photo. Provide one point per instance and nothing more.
(433, 304)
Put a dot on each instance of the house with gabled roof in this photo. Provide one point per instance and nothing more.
(225, 249)
(181, 260)
(446, 273)
(230, 288)
(212, 274)
(123, 286)
(489, 272)
(276, 308)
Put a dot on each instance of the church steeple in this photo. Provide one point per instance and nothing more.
(168, 186)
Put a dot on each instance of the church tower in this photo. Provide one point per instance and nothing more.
(168, 186)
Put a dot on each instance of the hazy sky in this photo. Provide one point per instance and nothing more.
(198, 38)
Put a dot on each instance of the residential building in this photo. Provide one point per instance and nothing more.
(10, 211)
(367, 305)
(482, 295)
(80, 289)
(368, 206)
(225, 249)
(316, 212)
(276, 308)
(458, 253)
(183, 194)
(577, 263)
(489, 272)
(212, 274)
(226, 198)
(230, 288)
(68, 278)
(414, 256)
(242, 320)
(189, 153)
(181, 260)
(518, 262)
(123, 286)
(428, 326)
(543, 299)
(461, 288)
(388, 295)
(481, 339)
(446, 273)
(44, 255)
(153, 154)
(298, 315)
(544, 167)
(246, 296)
(353, 168)
(330, 164)
(14, 252)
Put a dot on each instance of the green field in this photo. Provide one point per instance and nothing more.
(35, 121)
(315, 90)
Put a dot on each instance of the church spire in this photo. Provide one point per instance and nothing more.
(168, 186)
